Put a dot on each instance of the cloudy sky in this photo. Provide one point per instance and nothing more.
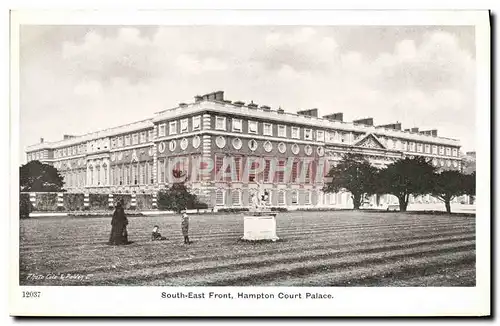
(78, 79)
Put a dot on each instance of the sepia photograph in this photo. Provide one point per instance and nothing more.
(281, 160)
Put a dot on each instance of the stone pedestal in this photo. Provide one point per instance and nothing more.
(260, 226)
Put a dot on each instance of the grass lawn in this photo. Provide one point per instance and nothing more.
(336, 248)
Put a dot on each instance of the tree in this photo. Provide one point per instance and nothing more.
(354, 174)
(405, 177)
(177, 198)
(39, 177)
(447, 185)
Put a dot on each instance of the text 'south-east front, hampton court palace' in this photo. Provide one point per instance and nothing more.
(138, 157)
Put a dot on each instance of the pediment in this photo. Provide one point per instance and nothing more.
(370, 141)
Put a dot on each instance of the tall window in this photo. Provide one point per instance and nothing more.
(150, 135)
(219, 198)
(98, 174)
(172, 128)
(280, 175)
(120, 175)
(184, 125)
(281, 131)
(220, 123)
(219, 161)
(434, 149)
(294, 197)
(143, 137)
(237, 127)
(268, 129)
(127, 140)
(281, 198)
(135, 173)
(412, 146)
(135, 139)
(162, 130)
(252, 127)
(427, 148)
(236, 197)
(455, 152)
(307, 198)
(267, 168)
(295, 171)
(320, 135)
(196, 123)
(448, 151)
(296, 132)
(237, 163)
(161, 168)
(307, 134)
(105, 174)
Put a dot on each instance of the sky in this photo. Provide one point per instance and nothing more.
(80, 79)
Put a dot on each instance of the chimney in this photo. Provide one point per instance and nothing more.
(280, 110)
(432, 132)
(335, 117)
(239, 103)
(182, 105)
(366, 121)
(41, 140)
(198, 98)
(309, 113)
(395, 126)
(252, 105)
(265, 108)
(219, 96)
(415, 129)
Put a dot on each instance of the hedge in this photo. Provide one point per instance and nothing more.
(25, 206)
(46, 202)
(73, 202)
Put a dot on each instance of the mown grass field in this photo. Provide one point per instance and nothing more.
(341, 248)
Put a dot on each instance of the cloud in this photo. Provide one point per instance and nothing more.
(104, 79)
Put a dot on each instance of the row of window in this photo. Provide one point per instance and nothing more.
(181, 126)
(328, 136)
(36, 156)
(236, 198)
(132, 139)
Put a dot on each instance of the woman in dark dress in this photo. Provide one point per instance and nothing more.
(118, 226)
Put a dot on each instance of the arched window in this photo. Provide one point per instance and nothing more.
(219, 198)
(91, 175)
(105, 174)
(295, 197)
(281, 198)
(236, 197)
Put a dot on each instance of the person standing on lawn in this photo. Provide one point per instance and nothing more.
(119, 224)
(185, 227)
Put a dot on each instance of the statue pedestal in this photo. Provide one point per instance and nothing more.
(260, 226)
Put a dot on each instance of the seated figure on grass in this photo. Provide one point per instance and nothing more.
(156, 235)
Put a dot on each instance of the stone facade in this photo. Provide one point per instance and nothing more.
(212, 136)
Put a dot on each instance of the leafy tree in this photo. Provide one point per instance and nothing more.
(354, 174)
(470, 185)
(39, 177)
(177, 198)
(405, 177)
(447, 185)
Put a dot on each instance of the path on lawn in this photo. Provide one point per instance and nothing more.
(341, 248)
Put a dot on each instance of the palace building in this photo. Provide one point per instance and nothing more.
(263, 148)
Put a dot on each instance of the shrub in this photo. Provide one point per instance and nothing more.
(279, 209)
(98, 201)
(73, 202)
(46, 201)
(233, 210)
(25, 207)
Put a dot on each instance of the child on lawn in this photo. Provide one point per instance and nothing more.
(156, 236)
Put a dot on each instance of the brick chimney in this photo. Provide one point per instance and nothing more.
(335, 117)
(365, 121)
(41, 140)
